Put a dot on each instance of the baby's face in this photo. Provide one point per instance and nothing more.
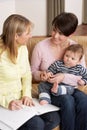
(71, 59)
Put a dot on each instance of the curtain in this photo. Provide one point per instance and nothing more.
(84, 14)
(54, 7)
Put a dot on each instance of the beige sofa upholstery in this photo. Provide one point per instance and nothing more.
(79, 39)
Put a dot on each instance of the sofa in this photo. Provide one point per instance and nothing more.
(34, 40)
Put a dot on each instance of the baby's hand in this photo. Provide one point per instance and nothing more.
(49, 75)
(43, 76)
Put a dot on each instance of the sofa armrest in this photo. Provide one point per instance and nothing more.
(35, 90)
(83, 89)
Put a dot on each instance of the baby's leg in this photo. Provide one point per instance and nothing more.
(44, 98)
(64, 89)
(60, 90)
(44, 93)
(43, 102)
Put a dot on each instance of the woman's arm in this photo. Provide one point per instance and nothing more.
(83, 63)
(58, 78)
(35, 63)
(26, 76)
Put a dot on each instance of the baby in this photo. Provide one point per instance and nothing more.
(70, 64)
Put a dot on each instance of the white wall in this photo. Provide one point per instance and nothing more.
(7, 7)
(74, 6)
(35, 10)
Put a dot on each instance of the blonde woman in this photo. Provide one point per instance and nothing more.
(15, 73)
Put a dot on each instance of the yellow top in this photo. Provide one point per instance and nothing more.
(15, 79)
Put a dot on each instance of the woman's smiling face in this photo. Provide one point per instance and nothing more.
(58, 37)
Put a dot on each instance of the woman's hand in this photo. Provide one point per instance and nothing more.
(81, 82)
(27, 101)
(15, 105)
(56, 78)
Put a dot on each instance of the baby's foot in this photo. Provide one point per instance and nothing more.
(54, 88)
(43, 102)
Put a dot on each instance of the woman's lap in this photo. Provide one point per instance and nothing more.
(47, 121)
(67, 110)
(72, 108)
(81, 110)
(79, 96)
(73, 114)
(35, 123)
(51, 120)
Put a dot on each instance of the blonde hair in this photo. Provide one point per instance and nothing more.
(76, 48)
(13, 24)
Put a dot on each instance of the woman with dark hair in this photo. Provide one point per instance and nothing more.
(73, 108)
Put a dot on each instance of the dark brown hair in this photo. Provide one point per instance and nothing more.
(66, 23)
(76, 48)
